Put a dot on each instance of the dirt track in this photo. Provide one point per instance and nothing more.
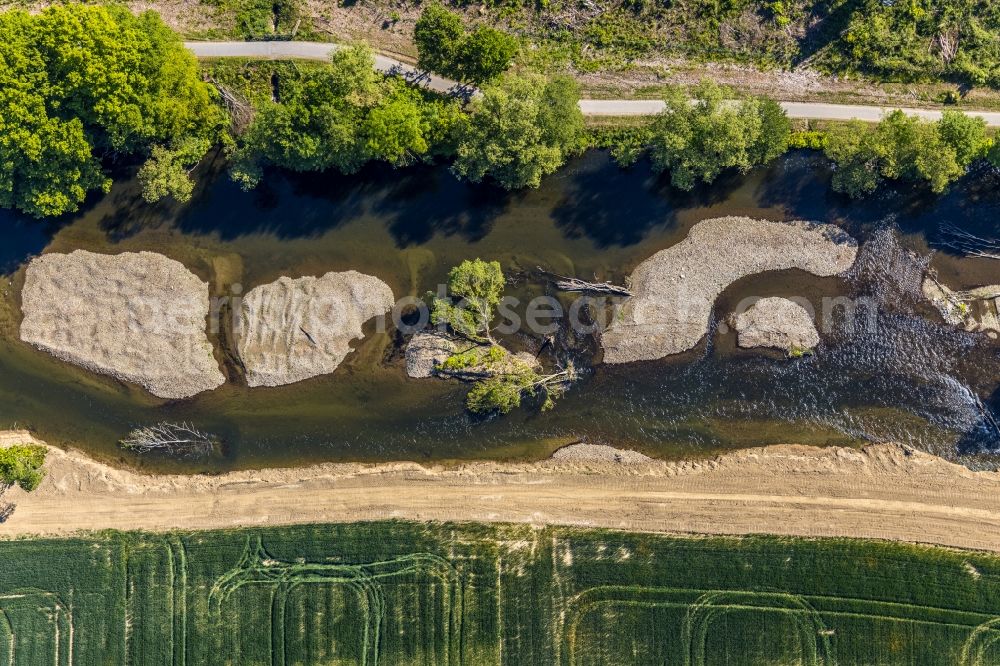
(883, 491)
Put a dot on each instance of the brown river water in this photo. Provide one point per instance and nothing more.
(911, 378)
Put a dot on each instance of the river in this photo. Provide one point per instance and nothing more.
(910, 379)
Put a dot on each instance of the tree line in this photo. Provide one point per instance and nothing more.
(697, 137)
(84, 87)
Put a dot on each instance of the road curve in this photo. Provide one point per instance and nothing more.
(591, 107)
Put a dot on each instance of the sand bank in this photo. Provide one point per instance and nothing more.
(882, 491)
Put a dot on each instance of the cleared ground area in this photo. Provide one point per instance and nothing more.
(882, 491)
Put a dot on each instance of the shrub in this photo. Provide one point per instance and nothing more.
(904, 148)
(808, 139)
(21, 465)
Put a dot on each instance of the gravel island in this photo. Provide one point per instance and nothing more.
(138, 317)
(675, 289)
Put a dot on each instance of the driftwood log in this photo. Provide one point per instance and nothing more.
(240, 111)
(563, 283)
(969, 243)
(172, 438)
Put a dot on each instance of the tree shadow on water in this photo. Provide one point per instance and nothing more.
(25, 237)
(285, 205)
(414, 204)
(432, 201)
(971, 205)
(613, 206)
(799, 182)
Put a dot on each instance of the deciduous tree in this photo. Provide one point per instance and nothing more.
(444, 46)
(341, 117)
(502, 379)
(904, 148)
(477, 286)
(520, 129)
(82, 83)
(696, 141)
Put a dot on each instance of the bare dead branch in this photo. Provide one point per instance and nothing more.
(947, 44)
(970, 244)
(563, 283)
(173, 438)
(240, 111)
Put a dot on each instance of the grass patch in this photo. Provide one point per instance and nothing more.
(261, 19)
(475, 594)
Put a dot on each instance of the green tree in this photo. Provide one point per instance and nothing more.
(47, 165)
(852, 148)
(696, 142)
(444, 46)
(775, 130)
(519, 130)
(83, 81)
(341, 117)
(485, 54)
(479, 287)
(501, 379)
(993, 154)
(168, 171)
(396, 128)
(21, 465)
(966, 134)
(904, 148)
(438, 35)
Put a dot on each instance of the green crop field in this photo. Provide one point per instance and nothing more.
(403, 593)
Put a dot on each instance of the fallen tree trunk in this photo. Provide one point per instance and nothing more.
(241, 112)
(172, 438)
(970, 244)
(563, 283)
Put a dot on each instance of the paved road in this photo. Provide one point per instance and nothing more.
(590, 107)
(311, 51)
(807, 110)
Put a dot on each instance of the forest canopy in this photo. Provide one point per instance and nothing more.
(80, 84)
(342, 116)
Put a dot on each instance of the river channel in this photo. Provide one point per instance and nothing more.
(910, 378)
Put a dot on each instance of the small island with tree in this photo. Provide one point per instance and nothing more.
(465, 347)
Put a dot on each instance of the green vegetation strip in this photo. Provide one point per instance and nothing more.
(406, 593)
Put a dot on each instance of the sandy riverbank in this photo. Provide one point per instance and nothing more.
(883, 491)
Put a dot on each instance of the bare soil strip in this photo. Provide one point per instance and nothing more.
(883, 491)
